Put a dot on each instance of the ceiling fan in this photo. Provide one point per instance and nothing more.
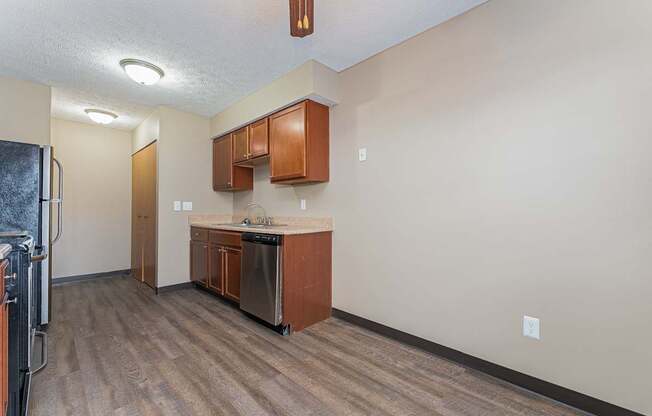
(302, 22)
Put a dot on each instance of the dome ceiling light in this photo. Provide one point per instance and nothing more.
(142, 72)
(100, 116)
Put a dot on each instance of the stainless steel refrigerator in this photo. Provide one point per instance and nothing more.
(28, 201)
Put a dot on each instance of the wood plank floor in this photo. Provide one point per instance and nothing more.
(116, 349)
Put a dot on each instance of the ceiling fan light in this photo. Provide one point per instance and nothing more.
(100, 116)
(142, 72)
(302, 17)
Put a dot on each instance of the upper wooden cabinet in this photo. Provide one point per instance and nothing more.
(240, 144)
(298, 138)
(251, 144)
(226, 176)
(259, 138)
(295, 139)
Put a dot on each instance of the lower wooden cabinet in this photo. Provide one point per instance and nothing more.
(199, 262)
(215, 261)
(216, 268)
(232, 259)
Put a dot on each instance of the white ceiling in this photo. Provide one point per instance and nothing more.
(214, 52)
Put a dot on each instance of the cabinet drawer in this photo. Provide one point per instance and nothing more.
(225, 238)
(198, 234)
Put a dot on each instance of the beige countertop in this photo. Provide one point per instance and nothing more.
(291, 225)
(5, 249)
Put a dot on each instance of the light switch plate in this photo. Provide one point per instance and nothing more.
(177, 205)
(531, 327)
(303, 204)
(362, 154)
(187, 206)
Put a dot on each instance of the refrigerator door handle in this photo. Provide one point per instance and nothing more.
(59, 202)
(44, 351)
(40, 257)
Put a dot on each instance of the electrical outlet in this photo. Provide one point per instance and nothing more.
(177, 205)
(187, 206)
(303, 204)
(362, 154)
(531, 327)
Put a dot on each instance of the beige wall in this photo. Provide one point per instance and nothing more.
(508, 173)
(185, 174)
(310, 80)
(97, 199)
(146, 132)
(24, 111)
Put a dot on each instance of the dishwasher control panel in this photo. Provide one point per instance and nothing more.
(270, 239)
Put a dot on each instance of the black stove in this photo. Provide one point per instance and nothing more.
(21, 288)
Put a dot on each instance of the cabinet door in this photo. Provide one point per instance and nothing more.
(199, 262)
(287, 139)
(240, 144)
(222, 163)
(4, 344)
(232, 259)
(216, 268)
(4, 384)
(259, 138)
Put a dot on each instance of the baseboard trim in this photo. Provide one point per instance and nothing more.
(91, 276)
(173, 288)
(561, 394)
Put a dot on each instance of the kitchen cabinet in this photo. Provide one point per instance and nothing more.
(143, 215)
(232, 260)
(299, 149)
(227, 176)
(216, 268)
(295, 140)
(4, 342)
(259, 139)
(199, 253)
(215, 258)
(305, 269)
(240, 144)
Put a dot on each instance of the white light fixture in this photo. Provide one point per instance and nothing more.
(100, 116)
(142, 72)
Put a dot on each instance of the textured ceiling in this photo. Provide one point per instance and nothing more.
(214, 52)
(69, 104)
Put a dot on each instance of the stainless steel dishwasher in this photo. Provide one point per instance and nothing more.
(261, 286)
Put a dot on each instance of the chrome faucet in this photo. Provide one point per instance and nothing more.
(265, 220)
